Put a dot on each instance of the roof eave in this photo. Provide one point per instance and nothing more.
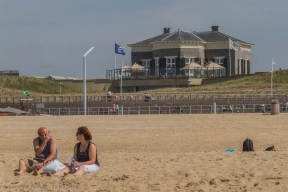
(177, 41)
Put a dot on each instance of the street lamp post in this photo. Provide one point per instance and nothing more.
(84, 78)
(121, 79)
(121, 83)
(271, 84)
(60, 88)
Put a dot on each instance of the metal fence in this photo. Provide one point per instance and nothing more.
(180, 109)
(166, 73)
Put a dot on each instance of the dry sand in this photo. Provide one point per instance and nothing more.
(155, 152)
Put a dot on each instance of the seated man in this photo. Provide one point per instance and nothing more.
(45, 151)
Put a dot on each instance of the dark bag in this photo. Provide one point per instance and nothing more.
(270, 149)
(248, 145)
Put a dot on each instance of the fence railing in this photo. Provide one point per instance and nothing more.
(157, 97)
(180, 109)
(166, 73)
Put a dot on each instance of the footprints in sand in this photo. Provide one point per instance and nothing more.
(123, 177)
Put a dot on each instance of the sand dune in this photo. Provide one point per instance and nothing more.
(155, 152)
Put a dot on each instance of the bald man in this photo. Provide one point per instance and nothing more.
(45, 151)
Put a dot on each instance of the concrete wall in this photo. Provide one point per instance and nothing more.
(190, 52)
(222, 79)
(92, 85)
(158, 82)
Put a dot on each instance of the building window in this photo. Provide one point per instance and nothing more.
(171, 65)
(245, 66)
(239, 67)
(146, 64)
(188, 60)
(219, 61)
(156, 66)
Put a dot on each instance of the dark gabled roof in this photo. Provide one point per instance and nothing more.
(206, 36)
(182, 35)
(174, 36)
(215, 36)
(150, 40)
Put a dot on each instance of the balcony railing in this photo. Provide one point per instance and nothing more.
(165, 73)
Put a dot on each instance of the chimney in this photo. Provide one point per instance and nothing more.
(167, 30)
(215, 28)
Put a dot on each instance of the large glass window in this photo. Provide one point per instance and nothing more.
(188, 60)
(156, 66)
(219, 61)
(146, 64)
(245, 66)
(239, 67)
(171, 66)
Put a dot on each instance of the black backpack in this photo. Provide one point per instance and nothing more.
(248, 145)
(272, 148)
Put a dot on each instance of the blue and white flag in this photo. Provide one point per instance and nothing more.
(119, 50)
(234, 46)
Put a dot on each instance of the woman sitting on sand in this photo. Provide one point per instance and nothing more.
(85, 154)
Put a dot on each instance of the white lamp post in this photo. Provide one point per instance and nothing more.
(121, 83)
(84, 78)
(121, 80)
(273, 63)
(60, 88)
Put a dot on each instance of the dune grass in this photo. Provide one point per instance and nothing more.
(258, 82)
(11, 86)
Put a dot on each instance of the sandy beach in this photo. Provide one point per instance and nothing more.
(155, 152)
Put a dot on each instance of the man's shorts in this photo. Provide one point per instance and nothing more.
(29, 163)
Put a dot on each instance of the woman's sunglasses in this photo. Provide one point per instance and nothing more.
(43, 134)
(77, 133)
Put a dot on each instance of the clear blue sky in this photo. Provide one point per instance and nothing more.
(42, 38)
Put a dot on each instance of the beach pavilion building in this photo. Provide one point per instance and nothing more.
(165, 56)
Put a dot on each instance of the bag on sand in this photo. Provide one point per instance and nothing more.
(54, 166)
(270, 149)
(248, 145)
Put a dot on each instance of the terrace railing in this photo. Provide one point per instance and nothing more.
(156, 98)
(166, 73)
(178, 109)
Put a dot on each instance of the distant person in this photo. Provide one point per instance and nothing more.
(115, 96)
(115, 107)
(45, 151)
(263, 108)
(22, 106)
(147, 95)
(109, 97)
(131, 97)
(85, 155)
(285, 105)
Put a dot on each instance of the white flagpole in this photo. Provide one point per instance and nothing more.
(115, 61)
(84, 80)
(121, 80)
(115, 54)
(230, 56)
(271, 91)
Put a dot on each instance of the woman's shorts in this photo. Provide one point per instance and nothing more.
(87, 168)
